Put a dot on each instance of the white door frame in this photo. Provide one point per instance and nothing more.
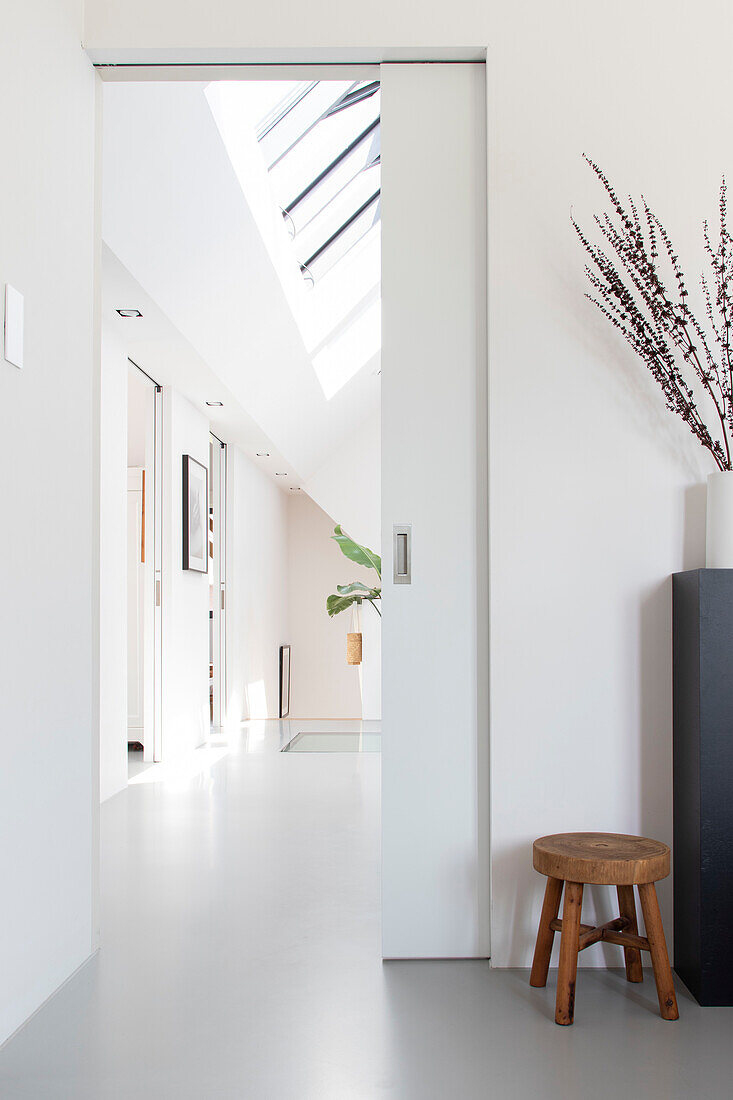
(218, 504)
(109, 70)
(153, 619)
(139, 725)
(157, 599)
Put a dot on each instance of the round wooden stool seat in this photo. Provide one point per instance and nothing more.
(573, 860)
(602, 859)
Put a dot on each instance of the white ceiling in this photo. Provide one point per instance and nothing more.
(155, 345)
(179, 233)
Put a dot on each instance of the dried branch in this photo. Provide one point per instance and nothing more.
(631, 292)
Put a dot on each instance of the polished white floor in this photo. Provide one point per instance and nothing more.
(241, 961)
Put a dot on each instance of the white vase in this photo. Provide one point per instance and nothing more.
(370, 670)
(719, 526)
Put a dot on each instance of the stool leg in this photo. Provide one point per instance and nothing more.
(565, 1004)
(658, 951)
(545, 934)
(632, 956)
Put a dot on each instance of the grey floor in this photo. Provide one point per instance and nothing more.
(241, 959)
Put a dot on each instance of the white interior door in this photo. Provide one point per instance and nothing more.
(214, 693)
(221, 603)
(157, 527)
(141, 582)
(217, 579)
(135, 608)
(434, 628)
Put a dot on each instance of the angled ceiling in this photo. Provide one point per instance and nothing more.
(155, 345)
(176, 223)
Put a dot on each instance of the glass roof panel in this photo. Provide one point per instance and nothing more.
(356, 278)
(279, 139)
(348, 352)
(361, 153)
(267, 99)
(327, 221)
(307, 156)
(318, 148)
(335, 249)
(282, 103)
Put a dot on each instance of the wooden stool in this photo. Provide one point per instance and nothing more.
(606, 859)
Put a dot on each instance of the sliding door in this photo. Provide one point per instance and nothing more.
(434, 505)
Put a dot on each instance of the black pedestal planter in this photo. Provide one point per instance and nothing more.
(703, 783)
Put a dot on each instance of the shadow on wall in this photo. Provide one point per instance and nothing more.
(519, 902)
(655, 687)
(522, 910)
(649, 776)
(640, 751)
(693, 534)
(655, 709)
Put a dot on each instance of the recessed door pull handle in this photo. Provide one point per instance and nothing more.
(402, 553)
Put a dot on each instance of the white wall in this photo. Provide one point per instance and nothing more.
(281, 565)
(370, 670)
(185, 603)
(140, 415)
(257, 560)
(113, 567)
(322, 684)
(48, 781)
(227, 31)
(185, 594)
(594, 489)
(596, 492)
(348, 484)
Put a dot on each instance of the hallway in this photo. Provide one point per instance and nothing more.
(241, 959)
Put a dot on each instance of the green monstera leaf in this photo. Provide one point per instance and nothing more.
(347, 595)
(361, 589)
(335, 604)
(362, 555)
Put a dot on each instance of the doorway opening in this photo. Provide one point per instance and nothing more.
(143, 568)
(217, 581)
(230, 254)
(251, 252)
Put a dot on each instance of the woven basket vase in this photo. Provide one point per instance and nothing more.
(353, 649)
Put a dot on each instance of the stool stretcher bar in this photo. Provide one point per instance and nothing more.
(611, 932)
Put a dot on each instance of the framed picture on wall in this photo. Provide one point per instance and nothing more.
(284, 681)
(195, 512)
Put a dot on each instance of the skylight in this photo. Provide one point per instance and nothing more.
(322, 155)
(315, 194)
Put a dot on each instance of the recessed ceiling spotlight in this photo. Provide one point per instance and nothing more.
(280, 475)
(215, 404)
(263, 454)
(129, 313)
(295, 488)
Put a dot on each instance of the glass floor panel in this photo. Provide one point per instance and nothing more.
(335, 742)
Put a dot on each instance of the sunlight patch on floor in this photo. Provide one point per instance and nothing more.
(177, 774)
